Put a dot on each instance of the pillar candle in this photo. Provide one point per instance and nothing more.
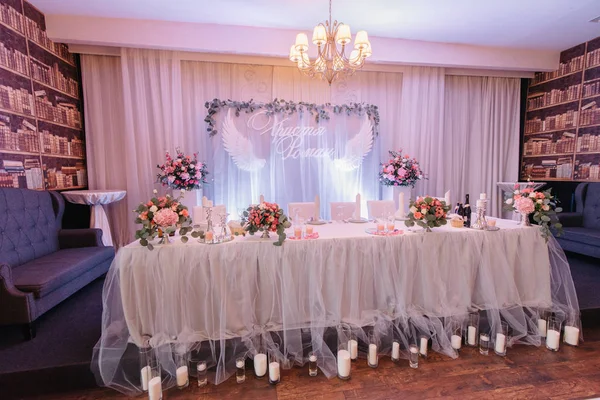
(309, 230)
(274, 371)
(260, 364)
(500, 343)
(182, 375)
(298, 232)
(353, 346)
(357, 207)
(423, 346)
(380, 227)
(343, 363)
(401, 205)
(317, 208)
(471, 332)
(372, 354)
(145, 374)
(209, 203)
(198, 215)
(208, 237)
(571, 335)
(262, 199)
(456, 342)
(552, 339)
(483, 196)
(390, 226)
(447, 198)
(395, 350)
(542, 327)
(155, 388)
(204, 201)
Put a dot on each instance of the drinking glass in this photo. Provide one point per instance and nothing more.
(484, 344)
(413, 360)
(340, 214)
(501, 339)
(201, 371)
(312, 364)
(240, 369)
(391, 223)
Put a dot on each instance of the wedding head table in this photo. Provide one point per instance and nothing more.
(220, 302)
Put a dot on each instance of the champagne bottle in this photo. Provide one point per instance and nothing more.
(460, 210)
(467, 212)
(456, 208)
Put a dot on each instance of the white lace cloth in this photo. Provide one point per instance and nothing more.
(97, 199)
(235, 298)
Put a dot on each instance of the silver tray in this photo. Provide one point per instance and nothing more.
(226, 240)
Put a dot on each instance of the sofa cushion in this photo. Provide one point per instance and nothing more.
(28, 227)
(591, 209)
(582, 235)
(43, 275)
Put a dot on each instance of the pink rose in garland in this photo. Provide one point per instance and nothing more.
(182, 172)
(400, 170)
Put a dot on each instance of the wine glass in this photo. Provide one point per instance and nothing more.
(340, 213)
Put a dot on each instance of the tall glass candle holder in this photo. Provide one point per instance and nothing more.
(353, 346)
(260, 364)
(472, 329)
(501, 339)
(543, 322)
(484, 344)
(201, 373)
(343, 361)
(155, 382)
(146, 353)
(456, 338)
(182, 373)
(240, 369)
(413, 360)
(274, 369)
(312, 364)
(423, 345)
(553, 334)
(372, 355)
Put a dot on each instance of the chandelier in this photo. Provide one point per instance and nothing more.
(331, 62)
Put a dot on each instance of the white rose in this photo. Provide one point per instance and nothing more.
(155, 191)
(517, 191)
(546, 207)
(413, 209)
(423, 211)
(192, 166)
(540, 201)
(153, 209)
(509, 201)
(532, 195)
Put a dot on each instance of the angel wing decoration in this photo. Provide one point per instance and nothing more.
(357, 148)
(239, 147)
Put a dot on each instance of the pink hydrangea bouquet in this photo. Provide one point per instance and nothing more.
(400, 170)
(266, 217)
(427, 212)
(538, 206)
(160, 216)
(182, 172)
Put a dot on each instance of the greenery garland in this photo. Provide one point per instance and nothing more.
(280, 106)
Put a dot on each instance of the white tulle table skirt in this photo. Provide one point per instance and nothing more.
(222, 301)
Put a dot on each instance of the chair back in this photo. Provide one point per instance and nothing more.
(342, 210)
(303, 210)
(380, 208)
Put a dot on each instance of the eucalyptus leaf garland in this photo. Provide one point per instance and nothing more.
(320, 112)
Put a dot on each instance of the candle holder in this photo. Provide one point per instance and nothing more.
(201, 373)
(352, 346)
(223, 219)
(343, 361)
(373, 356)
(146, 353)
(480, 221)
(484, 344)
(572, 329)
(240, 369)
(395, 351)
(542, 322)
(260, 364)
(209, 236)
(155, 382)
(181, 373)
(274, 369)
(423, 345)
(312, 364)
(501, 339)
(456, 338)
(413, 360)
(553, 334)
(472, 329)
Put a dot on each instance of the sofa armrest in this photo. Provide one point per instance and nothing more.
(72, 238)
(572, 219)
(17, 307)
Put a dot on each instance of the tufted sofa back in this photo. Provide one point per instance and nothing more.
(591, 208)
(29, 224)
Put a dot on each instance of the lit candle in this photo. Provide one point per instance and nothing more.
(261, 199)
(500, 343)
(483, 196)
(391, 226)
(343, 362)
(239, 364)
(155, 388)
(146, 373)
(260, 364)
(208, 237)
(317, 208)
(542, 327)
(274, 371)
(380, 227)
(571, 335)
(471, 332)
(423, 346)
(491, 222)
(182, 375)
(353, 346)
(298, 232)
(372, 354)
(312, 358)
(456, 342)
(309, 230)
(395, 350)
(552, 339)
(414, 350)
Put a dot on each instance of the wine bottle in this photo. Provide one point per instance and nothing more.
(460, 209)
(456, 208)
(467, 212)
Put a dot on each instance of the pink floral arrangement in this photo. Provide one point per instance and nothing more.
(400, 170)
(161, 216)
(266, 217)
(182, 172)
(541, 205)
(427, 212)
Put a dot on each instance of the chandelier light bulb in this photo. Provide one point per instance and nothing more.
(361, 41)
(301, 42)
(319, 35)
(343, 35)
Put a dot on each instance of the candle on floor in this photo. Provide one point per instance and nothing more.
(182, 376)
(343, 364)
(500, 347)
(395, 351)
(471, 335)
(260, 364)
(353, 346)
(423, 346)
(309, 230)
(298, 233)
(155, 389)
(571, 335)
(372, 357)
(456, 342)
(542, 327)
(274, 372)
(146, 373)
(552, 339)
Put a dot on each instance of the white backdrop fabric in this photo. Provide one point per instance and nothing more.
(464, 130)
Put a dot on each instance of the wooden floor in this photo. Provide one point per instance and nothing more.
(526, 373)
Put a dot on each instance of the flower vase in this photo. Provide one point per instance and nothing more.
(190, 199)
(265, 234)
(164, 239)
(525, 220)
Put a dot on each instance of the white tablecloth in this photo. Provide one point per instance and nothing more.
(235, 295)
(97, 199)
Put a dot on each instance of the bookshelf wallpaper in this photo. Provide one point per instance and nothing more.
(562, 123)
(41, 126)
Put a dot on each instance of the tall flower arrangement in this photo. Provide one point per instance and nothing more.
(400, 170)
(266, 217)
(182, 171)
(541, 205)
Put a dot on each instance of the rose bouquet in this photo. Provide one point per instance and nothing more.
(400, 170)
(182, 172)
(266, 217)
(427, 212)
(540, 205)
(161, 216)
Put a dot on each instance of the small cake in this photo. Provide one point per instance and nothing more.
(457, 222)
(236, 228)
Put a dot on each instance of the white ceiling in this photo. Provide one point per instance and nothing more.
(530, 24)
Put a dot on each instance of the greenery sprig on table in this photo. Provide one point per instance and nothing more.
(280, 106)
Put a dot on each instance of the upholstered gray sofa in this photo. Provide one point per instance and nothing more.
(582, 227)
(40, 263)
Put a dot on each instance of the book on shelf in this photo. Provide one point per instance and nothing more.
(11, 17)
(564, 68)
(554, 96)
(13, 59)
(566, 120)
